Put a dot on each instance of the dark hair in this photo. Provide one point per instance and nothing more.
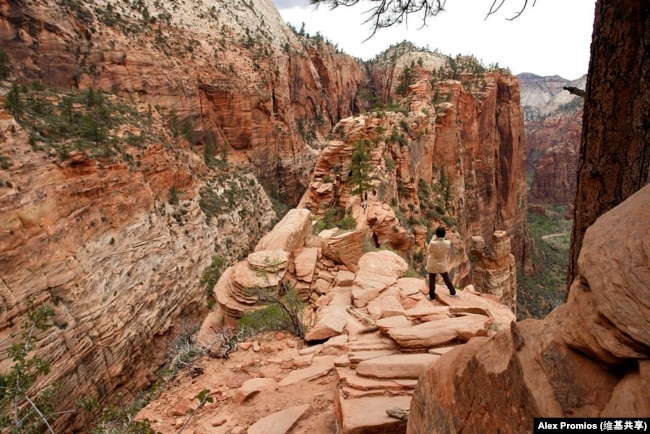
(440, 232)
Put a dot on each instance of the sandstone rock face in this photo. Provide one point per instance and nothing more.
(552, 156)
(101, 241)
(239, 84)
(245, 83)
(369, 327)
(455, 154)
(553, 128)
(494, 269)
(560, 366)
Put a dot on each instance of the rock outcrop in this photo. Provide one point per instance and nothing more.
(119, 244)
(453, 155)
(556, 140)
(233, 75)
(371, 334)
(587, 358)
(493, 269)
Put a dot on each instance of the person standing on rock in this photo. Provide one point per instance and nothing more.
(437, 253)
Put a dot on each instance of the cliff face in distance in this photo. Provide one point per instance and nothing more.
(116, 234)
(452, 154)
(235, 76)
(553, 125)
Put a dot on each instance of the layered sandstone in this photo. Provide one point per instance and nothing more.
(102, 239)
(588, 358)
(371, 333)
(553, 157)
(234, 73)
(494, 270)
(104, 243)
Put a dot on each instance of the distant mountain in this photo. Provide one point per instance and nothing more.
(541, 96)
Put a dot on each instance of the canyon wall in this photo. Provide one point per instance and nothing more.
(553, 128)
(116, 253)
(451, 153)
(118, 243)
(235, 77)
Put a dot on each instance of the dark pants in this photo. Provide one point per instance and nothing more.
(432, 284)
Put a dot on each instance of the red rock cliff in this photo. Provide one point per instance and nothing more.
(234, 76)
(452, 154)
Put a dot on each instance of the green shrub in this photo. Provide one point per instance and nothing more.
(212, 273)
(283, 311)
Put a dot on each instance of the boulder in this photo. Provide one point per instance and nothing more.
(610, 313)
(280, 422)
(442, 332)
(289, 234)
(587, 358)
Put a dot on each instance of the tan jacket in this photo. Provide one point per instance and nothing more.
(437, 252)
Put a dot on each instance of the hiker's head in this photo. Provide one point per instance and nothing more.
(440, 232)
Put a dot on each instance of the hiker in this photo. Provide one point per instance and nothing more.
(437, 252)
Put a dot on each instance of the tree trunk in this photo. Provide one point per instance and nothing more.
(615, 146)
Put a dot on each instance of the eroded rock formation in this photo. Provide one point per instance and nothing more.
(493, 270)
(371, 333)
(553, 125)
(454, 156)
(588, 358)
(234, 75)
(90, 234)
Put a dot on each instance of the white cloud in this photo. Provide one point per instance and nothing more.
(553, 37)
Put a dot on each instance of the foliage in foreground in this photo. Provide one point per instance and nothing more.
(283, 312)
(22, 410)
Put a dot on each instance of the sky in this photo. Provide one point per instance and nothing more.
(551, 37)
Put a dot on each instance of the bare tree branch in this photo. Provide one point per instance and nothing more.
(494, 8)
(387, 13)
(575, 91)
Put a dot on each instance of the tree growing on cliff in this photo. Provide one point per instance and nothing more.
(5, 65)
(406, 79)
(361, 169)
(23, 411)
(14, 102)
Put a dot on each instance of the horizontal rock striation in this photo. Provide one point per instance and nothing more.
(102, 241)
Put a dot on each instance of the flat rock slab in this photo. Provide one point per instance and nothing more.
(357, 357)
(250, 387)
(396, 366)
(321, 367)
(441, 350)
(409, 286)
(395, 386)
(442, 332)
(393, 322)
(384, 307)
(345, 278)
(331, 323)
(368, 415)
(280, 422)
